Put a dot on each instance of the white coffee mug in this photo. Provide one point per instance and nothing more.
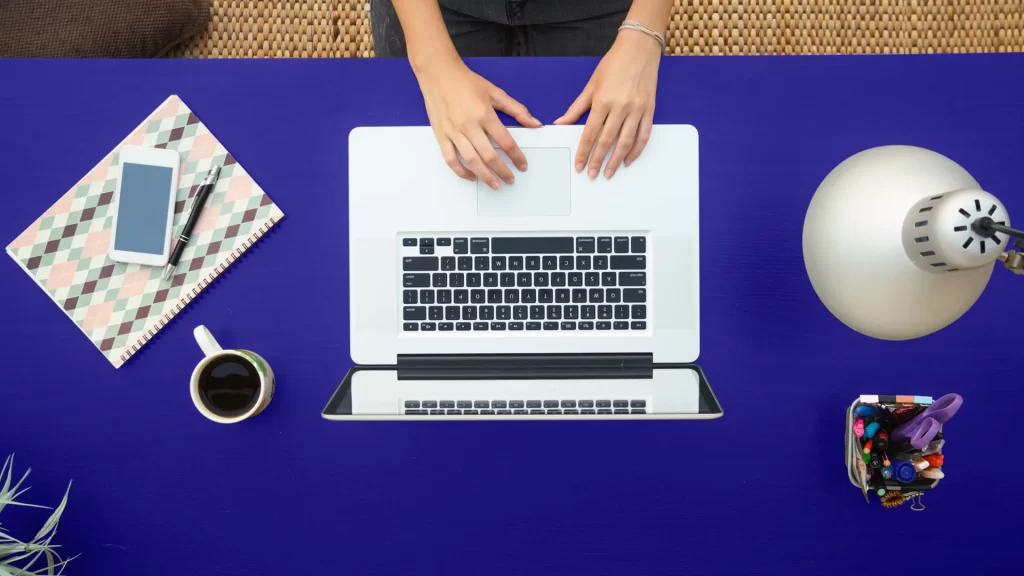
(224, 383)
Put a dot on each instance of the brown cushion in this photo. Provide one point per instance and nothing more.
(97, 28)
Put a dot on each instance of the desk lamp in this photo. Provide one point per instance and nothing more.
(900, 241)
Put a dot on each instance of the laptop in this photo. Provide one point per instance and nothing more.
(556, 297)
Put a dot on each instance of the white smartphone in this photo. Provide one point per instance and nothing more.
(147, 185)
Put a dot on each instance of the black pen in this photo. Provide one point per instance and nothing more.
(205, 188)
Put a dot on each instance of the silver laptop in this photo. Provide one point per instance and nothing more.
(556, 297)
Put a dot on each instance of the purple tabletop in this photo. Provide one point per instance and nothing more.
(160, 490)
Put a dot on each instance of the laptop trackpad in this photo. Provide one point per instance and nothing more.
(543, 190)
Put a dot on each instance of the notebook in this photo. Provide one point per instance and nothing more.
(120, 307)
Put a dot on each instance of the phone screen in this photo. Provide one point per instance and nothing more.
(142, 208)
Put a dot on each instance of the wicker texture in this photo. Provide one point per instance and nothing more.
(341, 29)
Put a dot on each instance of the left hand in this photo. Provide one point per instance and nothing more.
(620, 97)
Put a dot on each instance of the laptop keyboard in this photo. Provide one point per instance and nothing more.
(594, 283)
(520, 407)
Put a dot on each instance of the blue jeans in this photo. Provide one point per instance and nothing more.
(512, 27)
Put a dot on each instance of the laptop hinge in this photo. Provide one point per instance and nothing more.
(524, 366)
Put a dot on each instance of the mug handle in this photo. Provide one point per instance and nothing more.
(206, 341)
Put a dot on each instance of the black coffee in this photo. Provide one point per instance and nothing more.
(229, 386)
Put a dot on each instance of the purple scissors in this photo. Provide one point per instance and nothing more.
(925, 426)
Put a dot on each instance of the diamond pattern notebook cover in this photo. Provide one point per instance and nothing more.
(120, 306)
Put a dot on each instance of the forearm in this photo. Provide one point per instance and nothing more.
(651, 13)
(426, 36)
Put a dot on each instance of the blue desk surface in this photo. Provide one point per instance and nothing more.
(159, 490)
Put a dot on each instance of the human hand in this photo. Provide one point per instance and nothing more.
(461, 106)
(620, 97)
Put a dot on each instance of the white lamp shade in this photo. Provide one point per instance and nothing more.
(854, 251)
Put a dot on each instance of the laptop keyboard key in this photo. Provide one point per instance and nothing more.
(479, 246)
(440, 280)
(414, 313)
(621, 325)
(444, 241)
(587, 312)
(494, 296)
(604, 312)
(426, 296)
(536, 312)
(409, 297)
(596, 295)
(515, 262)
(575, 279)
(551, 403)
(462, 296)
(579, 295)
(460, 246)
(481, 404)
(465, 263)
(474, 279)
(487, 312)
(515, 404)
(462, 326)
(629, 262)
(447, 404)
(608, 279)
(524, 279)
(551, 325)
(469, 312)
(638, 244)
(533, 245)
(411, 327)
(554, 312)
(634, 295)
(517, 326)
(416, 280)
(408, 242)
(520, 312)
(558, 278)
(540, 279)
(477, 296)
(638, 325)
(583, 262)
(528, 296)
(568, 325)
(481, 263)
(562, 295)
(464, 404)
(592, 279)
(547, 296)
(504, 312)
(585, 245)
(604, 245)
(622, 312)
(480, 326)
(444, 296)
(436, 313)
(622, 245)
(549, 263)
(586, 325)
(420, 264)
(428, 327)
(445, 326)
(533, 262)
(565, 263)
(632, 278)
(620, 404)
(451, 313)
(600, 262)
(639, 312)
(572, 312)
(508, 279)
(604, 325)
(498, 262)
(533, 325)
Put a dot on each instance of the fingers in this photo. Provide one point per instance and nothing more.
(609, 132)
(451, 158)
(509, 105)
(475, 162)
(590, 133)
(642, 136)
(490, 156)
(579, 106)
(506, 142)
(627, 136)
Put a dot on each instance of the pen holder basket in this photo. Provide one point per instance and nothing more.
(870, 480)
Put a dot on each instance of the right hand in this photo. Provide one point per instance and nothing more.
(461, 106)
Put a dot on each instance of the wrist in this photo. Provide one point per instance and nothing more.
(639, 41)
(424, 61)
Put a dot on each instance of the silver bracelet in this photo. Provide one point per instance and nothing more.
(633, 25)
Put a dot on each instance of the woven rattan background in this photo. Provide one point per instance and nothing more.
(338, 28)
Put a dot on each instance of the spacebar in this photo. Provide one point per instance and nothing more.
(563, 245)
